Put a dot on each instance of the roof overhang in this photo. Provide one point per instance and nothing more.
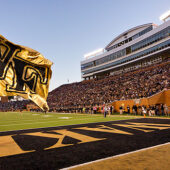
(128, 31)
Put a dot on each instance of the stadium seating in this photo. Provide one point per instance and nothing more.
(13, 105)
(141, 83)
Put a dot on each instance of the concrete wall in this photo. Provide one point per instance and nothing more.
(162, 97)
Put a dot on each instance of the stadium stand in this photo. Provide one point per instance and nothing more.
(13, 105)
(136, 84)
(141, 83)
(134, 65)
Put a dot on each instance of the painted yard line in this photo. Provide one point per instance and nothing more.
(38, 118)
(42, 118)
(43, 122)
(75, 118)
(58, 116)
(159, 117)
(64, 125)
(46, 121)
(99, 160)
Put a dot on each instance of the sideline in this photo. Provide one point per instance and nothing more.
(99, 160)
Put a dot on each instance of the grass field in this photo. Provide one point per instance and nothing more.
(28, 120)
(56, 146)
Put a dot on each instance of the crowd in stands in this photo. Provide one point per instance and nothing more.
(86, 95)
(13, 105)
(132, 85)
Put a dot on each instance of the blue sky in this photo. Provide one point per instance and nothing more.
(64, 30)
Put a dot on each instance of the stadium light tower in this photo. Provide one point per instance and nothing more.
(164, 16)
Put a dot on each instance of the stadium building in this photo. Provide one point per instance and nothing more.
(133, 49)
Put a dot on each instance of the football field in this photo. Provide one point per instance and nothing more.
(83, 141)
(29, 120)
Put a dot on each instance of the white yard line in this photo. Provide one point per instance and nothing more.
(83, 116)
(42, 118)
(44, 122)
(99, 160)
(55, 121)
(64, 125)
(58, 117)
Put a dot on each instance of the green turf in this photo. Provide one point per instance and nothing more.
(27, 120)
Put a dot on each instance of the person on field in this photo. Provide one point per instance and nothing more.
(140, 110)
(157, 110)
(91, 110)
(108, 110)
(94, 109)
(128, 109)
(84, 109)
(105, 110)
(166, 110)
(134, 109)
(143, 110)
(162, 110)
(111, 109)
(149, 111)
(153, 110)
(121, 110)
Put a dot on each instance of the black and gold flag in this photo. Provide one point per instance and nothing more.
(24, 72)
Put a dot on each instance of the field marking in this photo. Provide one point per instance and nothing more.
(64, 117)
(127, 153)
(47, 116)
(65, 125)
(58, 116)
(83, 116)
(19, 115)
(42, 122)
(58, 120)
(35, 120)
(38, 118)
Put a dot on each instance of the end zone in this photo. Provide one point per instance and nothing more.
(66, 146)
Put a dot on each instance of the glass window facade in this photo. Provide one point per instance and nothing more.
(111, 57)
(87, 65)
(152, 39)
(144, 43)
(131, 38)
(104, 59)
(130, 58)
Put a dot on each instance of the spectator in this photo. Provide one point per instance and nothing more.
(128, 109)
(166, 110)
(121, 109)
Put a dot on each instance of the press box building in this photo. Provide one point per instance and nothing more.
(137, 47)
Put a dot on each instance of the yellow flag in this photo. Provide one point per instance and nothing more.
(24, 72)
